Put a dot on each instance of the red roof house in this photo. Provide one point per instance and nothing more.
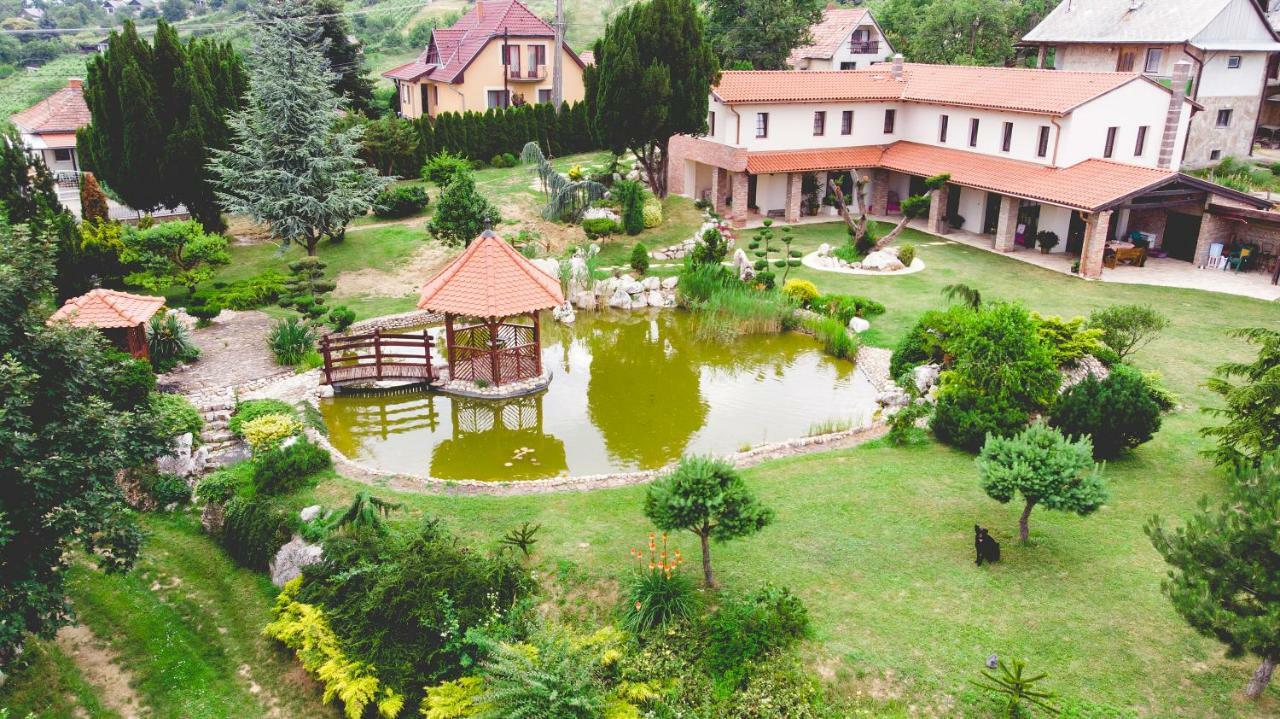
(49, 126)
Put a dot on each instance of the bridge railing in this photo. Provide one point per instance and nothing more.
(377, 355)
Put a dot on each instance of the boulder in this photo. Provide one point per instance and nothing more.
(585, 300)
(620, 300)
(882, 261)
(291, 558)
(183, 459)
(600, 213)
(564, 313)
(547, 265)
(633, 288)
(669, 298)
(893, 398)
(1087, 365)
(824, 250)
(859, 325)
(639, 301)
(651, 283)
(654, 298)
(925, 376)
(670, 283)
(309, 513)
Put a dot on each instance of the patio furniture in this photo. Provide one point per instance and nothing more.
(1216, 261)
(1136, 256)
(1241, 259)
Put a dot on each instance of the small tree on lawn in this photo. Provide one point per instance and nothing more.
(705, 496)
(462, 212)
(1127, 328)
(914, 207)
(307, 287)
(289, 165)
(173, 253)
(1225, 580)
(1046, 468)
(1253, 424)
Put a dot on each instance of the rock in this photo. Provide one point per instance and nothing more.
(639, 301)
(564, 313)
(212, 517)
(547, 265)
(824, 250)
(670, 283)
(925, 376)
(600, 213)
(620, 299)
(324, 391)
(654, 298)
(633, 288)
(882, 262)
(651, 283)
(669, 299)
(859, 325)
(291, 558)
(585, 300)
(183, 460)
(309, 513)
(1088, 365)
(893, 398)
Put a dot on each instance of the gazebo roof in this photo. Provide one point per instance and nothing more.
(108, 309)
(490, 279)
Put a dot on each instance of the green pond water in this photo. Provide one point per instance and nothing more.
(629, 391)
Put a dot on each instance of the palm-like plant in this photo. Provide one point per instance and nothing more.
(365, 512)
(167, 338)
(966, 294)
(566, 199)
(1015, 687)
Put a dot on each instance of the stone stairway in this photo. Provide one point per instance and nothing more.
(215, 409)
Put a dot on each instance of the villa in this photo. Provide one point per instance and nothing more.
(48, 128)
(497, 55)
(1091, 156)
(845, 39)
(1229, 43)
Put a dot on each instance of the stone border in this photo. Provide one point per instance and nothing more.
(414, 318)
(511, 390)
(811, 261)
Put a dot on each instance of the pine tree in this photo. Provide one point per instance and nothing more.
(289, 166)
(345, 56)
(93, 202)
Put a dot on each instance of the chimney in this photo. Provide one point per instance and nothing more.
(479, 9)
(75, 83)
(897, 67)
(1172, 120)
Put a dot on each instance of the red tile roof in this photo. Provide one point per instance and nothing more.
(62, 112)
(454, 48)
(107, 309)
(490, 279)
(828, 34)
(1053, 92)
(840, 158)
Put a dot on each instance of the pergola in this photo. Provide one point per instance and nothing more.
(121, 316)
(490, 297)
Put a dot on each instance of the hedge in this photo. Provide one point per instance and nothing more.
(481, 136)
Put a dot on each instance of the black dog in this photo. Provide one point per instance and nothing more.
(987, 548)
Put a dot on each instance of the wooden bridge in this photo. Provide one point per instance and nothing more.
(377, 355)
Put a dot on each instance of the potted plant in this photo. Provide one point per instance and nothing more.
(1047, 240)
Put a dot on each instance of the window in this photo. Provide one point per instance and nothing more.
(711, 123)
(1142, 142)
(1042, 143)
(762, 124)
(847, 65)
(1110, 147)
(513, 59)
(942, 127)
(889, 117)
(544, 95)
(1224, 118)
(1233, 62)
(62, 154)
(820, 122)
(1006, 141)
(1215, 154)
(973, 132)
(499, 98)
(846, 122)
(1124, 62)
(537, 55)
(1154, 56)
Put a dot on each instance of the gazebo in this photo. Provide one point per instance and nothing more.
(121, 316)
(490, 297)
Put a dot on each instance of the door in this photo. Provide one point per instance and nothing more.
(751, 192)
(1075, 234)
(917, 186)
(426, 108)
(1181, 233)
(991, 214)
(953, 202)
(1029, 222)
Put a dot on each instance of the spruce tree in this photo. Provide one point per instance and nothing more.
(344, 55)
(289, 165)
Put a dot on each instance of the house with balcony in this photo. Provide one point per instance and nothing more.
(845, 39)
(48, 128)
(499, 54)
(1091, 156)
(1229, 44)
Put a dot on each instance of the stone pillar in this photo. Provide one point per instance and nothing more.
(938, 211)
(879, 192)
(1007, 226)
(739, 217)
(792, 212)
(1212, 229)
(719, 190)
(1040, 56)
(1095, 243)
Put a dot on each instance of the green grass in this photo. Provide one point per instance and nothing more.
(48, 684)
(23, 89)
(185, 621)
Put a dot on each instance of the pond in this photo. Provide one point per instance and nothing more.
(630, 391)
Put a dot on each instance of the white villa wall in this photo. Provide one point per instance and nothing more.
(1219, 80)
(1136, 104)
(972, 205)
(1057, 220)
(791, 126)
(920, 123)
(771, 192)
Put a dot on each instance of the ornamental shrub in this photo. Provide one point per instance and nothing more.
(597, 227)
(835, 337)
(630, 196)
(1128, 328)
(169, 342)
(287, 469)
(204, 312)
(929, 340)
(444, 167)
(254, 530)
(166, 489)
(268, 431)
(341, 317)
(454, 700)
(1070, 339)
(220, 486)
(906, 253)
(290, 339)
(846, 307)
(252, 409)
(550, 677)
(640, 258)
(132, 382)
(401, 201)
(1118, 413)
(803, 292)
(711, 250)
(250, 294)
(750, 628)
(652, 212)
(176, 415)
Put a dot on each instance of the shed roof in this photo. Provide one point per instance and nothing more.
(1051, 92)
(827, 34)
(108, 309)
(490, 279)
(62, 112)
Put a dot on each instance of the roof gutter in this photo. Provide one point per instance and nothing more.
(737, 125)
(1057, 138)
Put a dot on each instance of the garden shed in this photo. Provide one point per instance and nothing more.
(490, 297)
(121, 316)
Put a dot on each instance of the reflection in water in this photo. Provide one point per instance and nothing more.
(631, 391)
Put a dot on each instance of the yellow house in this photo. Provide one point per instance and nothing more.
(497, 55)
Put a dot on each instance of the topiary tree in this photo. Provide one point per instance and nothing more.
(1127, 328)
(462, 213)
(173, 253)
(1045, 468)
(1252, 422)
(708, 497)
(1118, 413)
(914, 207)
(1225, 576)
(630, 194)
(640, 258)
